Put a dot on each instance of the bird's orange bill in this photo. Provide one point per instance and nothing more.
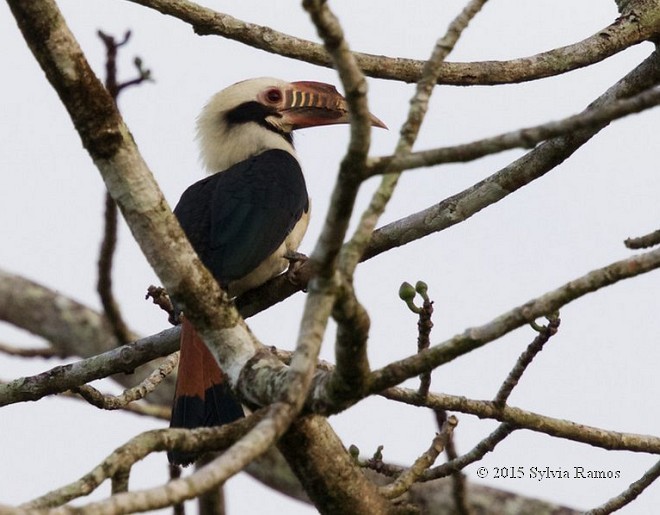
(311, 104)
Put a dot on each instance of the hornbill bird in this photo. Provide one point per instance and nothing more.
(245, 218)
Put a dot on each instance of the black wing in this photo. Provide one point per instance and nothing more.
(237, 218)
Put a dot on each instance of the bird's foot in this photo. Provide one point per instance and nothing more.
(161, 298)
(296, 271)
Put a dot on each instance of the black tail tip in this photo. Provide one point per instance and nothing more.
(182, 459)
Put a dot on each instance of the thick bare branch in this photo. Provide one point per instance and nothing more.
(629, 30)
(335, 485)
(70, 327)
(64, 377)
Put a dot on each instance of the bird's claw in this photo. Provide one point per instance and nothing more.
(296, 262)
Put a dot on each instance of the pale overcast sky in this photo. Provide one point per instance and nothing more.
(602, 367)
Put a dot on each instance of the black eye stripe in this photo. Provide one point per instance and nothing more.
(257, 113)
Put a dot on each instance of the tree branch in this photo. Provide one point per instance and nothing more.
(628, 30)
(525, 359)
(629, 494)
(349, 179)
(124, 457)
(522, 138)
(521, 419)
(473, 338)
(148, 385)
(521, 172)
(403, 483)
(479, 451)
(46, 353)
(335, 485)
(354, 249)
(65, 377)
(643, 242)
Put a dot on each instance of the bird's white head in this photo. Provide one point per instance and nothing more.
(256, 115)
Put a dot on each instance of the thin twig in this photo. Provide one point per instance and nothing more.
(175, 473)
(523, 419)
(46, 352)
(148, 385)
(629, 494)
(527, 137)
(407, 293)
(354, 249)
(109, 242)
(475, 337)
(535, 164)
(138, 408)
(159, 296)
(459, 487)
(643, 242)
(403, 483)
(526, 358)
(477, 453)
(424, 327)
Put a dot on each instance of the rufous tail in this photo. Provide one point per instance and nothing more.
(202, 397)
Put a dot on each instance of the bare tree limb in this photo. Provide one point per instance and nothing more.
(521, 172)
(522, 419)
(65, 377)
(521, 138)
(629, 30)
(349, 179)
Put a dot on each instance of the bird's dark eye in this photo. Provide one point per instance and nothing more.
(274, 95)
